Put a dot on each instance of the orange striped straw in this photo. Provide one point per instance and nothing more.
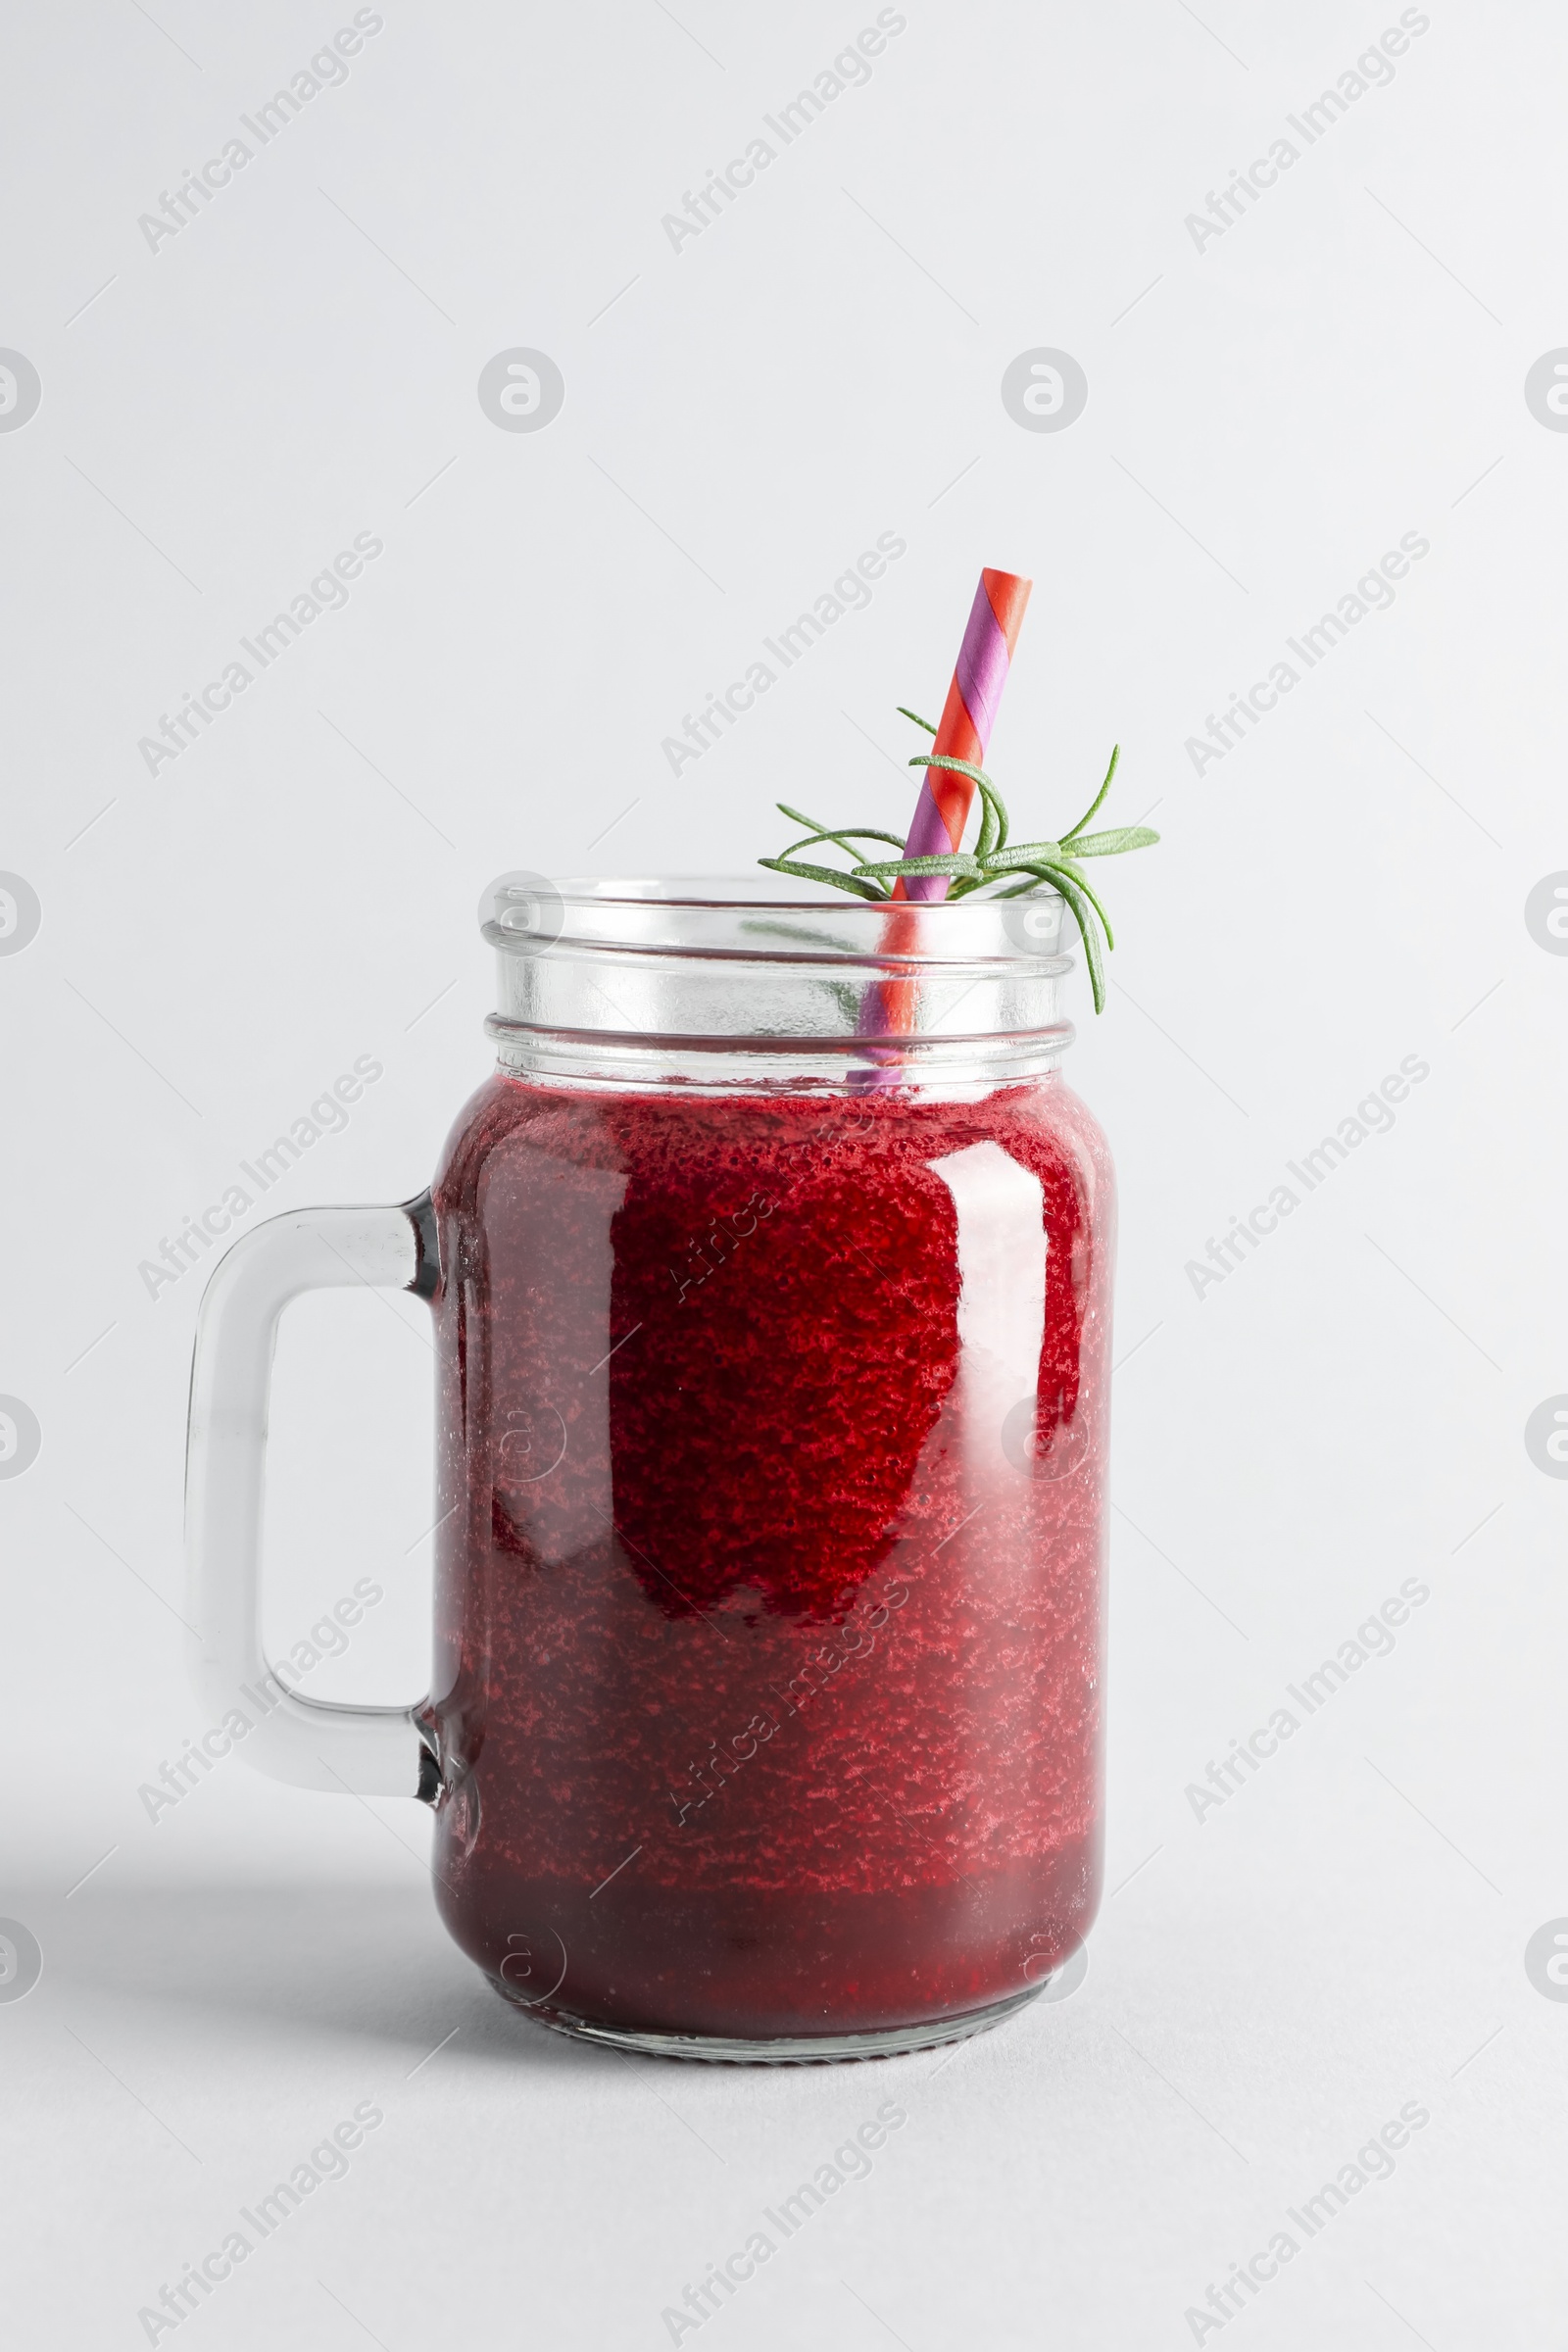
(943, 810)
(978, 677)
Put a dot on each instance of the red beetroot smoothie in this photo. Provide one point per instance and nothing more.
(768, 1630)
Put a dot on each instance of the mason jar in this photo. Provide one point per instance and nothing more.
(770, 1274)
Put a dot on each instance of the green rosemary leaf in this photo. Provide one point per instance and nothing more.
(1023, 854)
(1082, 916)
(957, 861)
(993, 825)
(1039, 871)
(823, 873)
(1112, 845)
(1070, 866)
(915, 716)
(1099, 794)
(992, 809)
(845, 837)
(960, 767)
(843, 840)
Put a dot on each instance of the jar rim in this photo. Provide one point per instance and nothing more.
(761, 889)
(769, 919)
(727, 890)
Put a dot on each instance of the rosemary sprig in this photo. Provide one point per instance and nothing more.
(1023, 866)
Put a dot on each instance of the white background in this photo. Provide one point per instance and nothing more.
(1266, 416)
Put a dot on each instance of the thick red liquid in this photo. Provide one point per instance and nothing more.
(770, 1613)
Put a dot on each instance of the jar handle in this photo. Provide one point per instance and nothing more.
(311, 1743)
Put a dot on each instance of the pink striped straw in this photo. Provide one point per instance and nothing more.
(969, 715)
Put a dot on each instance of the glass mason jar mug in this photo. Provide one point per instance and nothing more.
(771, 1282)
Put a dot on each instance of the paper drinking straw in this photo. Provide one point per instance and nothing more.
(943, 809)
(978, 678)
